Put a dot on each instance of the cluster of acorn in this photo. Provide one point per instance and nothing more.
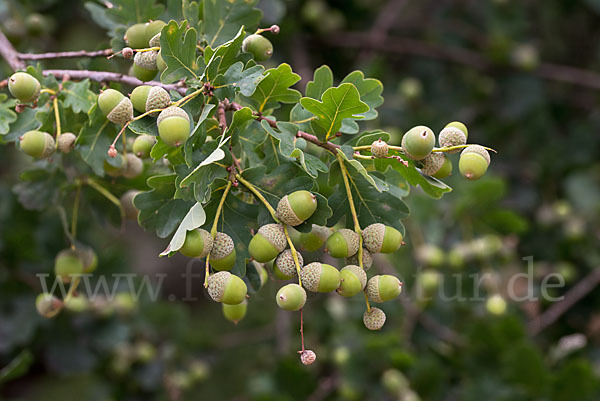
(270, 243)
(418, 144)
(147, 62)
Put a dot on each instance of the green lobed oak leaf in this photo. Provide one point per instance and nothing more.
(368, 137)
(237, 79)
(216, 155)
(173, 154)
(274, 89)
(226, 17)
(219, 60)
(431, 186)
(129, 12)
(370, 90)
(159, 212)
(287, 147)
(371, 206)
(252, 140)
(77, 95)
(178, 50)
(94, 139)
(7, 115)
(302, 118)
(191, 12)
(239, 121)
(145, 125)
(337, 103)
(194, 218)
(322, 80)
(198, 135)
(26, 121)
(346, 153)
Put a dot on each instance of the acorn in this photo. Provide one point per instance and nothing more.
(48, 305)
(418, 142)
(379, 238)
(88, 257)
(268, 242)
(116, 107)
(66, 264)
(227, 288)
(222, 253)
(383, 288)
(474, 161)
(260, 47)
(173, 126)
(374, 319)
(291, 297)
(343, 243)
(135, 36)
(143, 145)
(295, 208)
(379, 148)
(198, 243)
(433, 163)
(145, 98)
(286, 265)
(315, 239)
(66, 142)
(353, 280)
(320, 277)
(144, 74)
(24, 87)
(445, 170)
(133, 166)
(127, 204)
(160, 62)
(153, 29)
(37, 144)
(453, 134)
(146, 60)
(235, 313)
(366, 256)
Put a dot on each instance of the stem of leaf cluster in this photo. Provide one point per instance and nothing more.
(106, 193)
(49, 91)
(57, 118)
(213, 230)
(257, 193)
(187, 98)
(294, 252)
(72, 289)
(354, 216)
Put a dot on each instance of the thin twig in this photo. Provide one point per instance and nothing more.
(571, 297)
(70, 54)
(9, 54)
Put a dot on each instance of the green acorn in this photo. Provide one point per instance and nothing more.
(379, 148)
(143, 145)
(173, 126)
(153, 28)
(67, 263)
(343, 243)
(127, 204)
(320, 277)
(222, 253)
(286, 265)
(453, 134)
(353, 280)
(474, 161)
(66, 142)
(146, 60)
(37, 144)
(379, 238)
(227, 288)
(383, 288)
(291, 297)
(145, 98)
(268, 242)
(135, 36)
(198, 243)
(160, 62)
(418, 142)
(116, 107)
(133, 166)
(315, 239)
(88, 257)
(235, 313)
(367, 259)
(433, 163)
(260, 47)
(48, 305)
(24, 87)
(295, 208)
(445, 170)
(144, 74)
(374, 319)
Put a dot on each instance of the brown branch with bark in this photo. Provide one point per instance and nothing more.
(69, 54)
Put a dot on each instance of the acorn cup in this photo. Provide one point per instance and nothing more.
(453, 134)
(115, 106)
(286, 265)
(379, 148)
(222, 253)
(295, 208)
(268, 242)
(145, 98)
(383, 288)
(227, 288)
(379, 238)
(374, 319)
(320, 277)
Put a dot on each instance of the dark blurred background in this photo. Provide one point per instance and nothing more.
(523, 75)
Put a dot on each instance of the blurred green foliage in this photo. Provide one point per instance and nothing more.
(542, 199)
